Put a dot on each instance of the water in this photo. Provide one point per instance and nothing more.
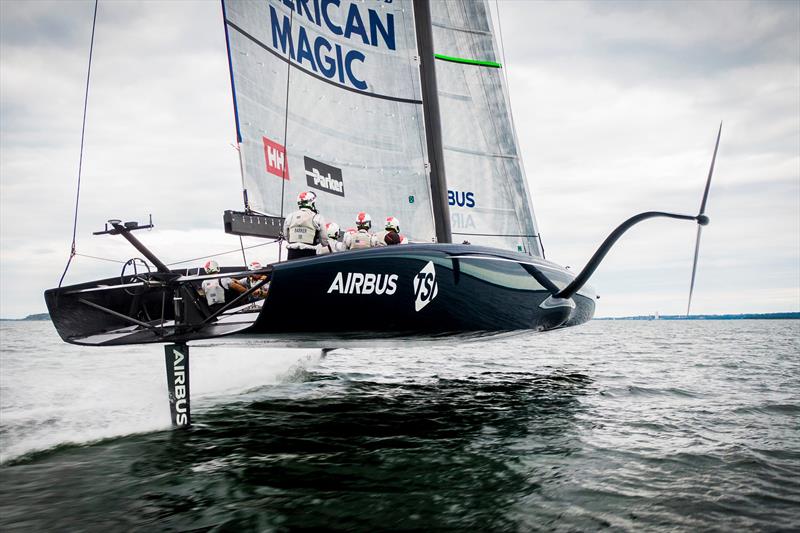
(657, 426)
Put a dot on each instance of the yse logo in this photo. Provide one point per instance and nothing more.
(425, 286)
(461, 199)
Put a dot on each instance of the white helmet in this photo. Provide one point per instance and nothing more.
(393, 224)
(332, 230)
(306, 199)
(254, 265)
(211, 267)
(363, 220)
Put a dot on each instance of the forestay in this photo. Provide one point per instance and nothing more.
(488, 192)
(328, 99)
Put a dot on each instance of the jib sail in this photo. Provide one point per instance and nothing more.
(487, 189)
(327, 97)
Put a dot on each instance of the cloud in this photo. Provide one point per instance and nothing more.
(616, 105)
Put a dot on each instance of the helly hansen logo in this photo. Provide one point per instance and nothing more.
(324, 177)
(358, 283)
(275, 157)
(425, 286)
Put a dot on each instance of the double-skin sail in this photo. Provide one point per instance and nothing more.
(328, 98)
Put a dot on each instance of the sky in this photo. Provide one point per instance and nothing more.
(616, 106)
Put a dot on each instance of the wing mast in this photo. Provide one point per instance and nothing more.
(433, 128)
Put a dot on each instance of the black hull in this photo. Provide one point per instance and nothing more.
(473, 294)
(401, 291)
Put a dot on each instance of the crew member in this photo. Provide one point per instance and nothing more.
(334, 244)
(391, 233)
(244, 284)
(214, 289)
(362, 238)
(305, 228)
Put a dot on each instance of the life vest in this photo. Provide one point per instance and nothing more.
(214, 292)
(302, 228)
(361, 239)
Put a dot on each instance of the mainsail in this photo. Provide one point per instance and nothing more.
(328, 99)
(488, 193)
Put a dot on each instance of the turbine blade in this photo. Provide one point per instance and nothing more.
(694, 267)
(710, 173)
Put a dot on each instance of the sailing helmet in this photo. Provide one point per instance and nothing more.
(306, 199)
(392, 224)
(332, 230)
(254, 265)
(211, 267)
(363, 221)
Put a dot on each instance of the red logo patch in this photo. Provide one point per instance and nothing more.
(275, 157)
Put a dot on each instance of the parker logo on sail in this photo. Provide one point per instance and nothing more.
(425, 286)
(275, 157)
(322, 56)
(180, 400)
(324, 177)
(358, 283)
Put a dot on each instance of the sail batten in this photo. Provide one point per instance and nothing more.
(467, 61)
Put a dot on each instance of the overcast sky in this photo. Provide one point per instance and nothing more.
(616, 105)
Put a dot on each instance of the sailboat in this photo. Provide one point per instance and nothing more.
(396, 107)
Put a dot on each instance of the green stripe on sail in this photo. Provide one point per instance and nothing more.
(468, 61)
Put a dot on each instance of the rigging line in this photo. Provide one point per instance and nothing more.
(80, 158)
(222, 253)
(241, 245)
(286, 130)
(245, 200)
(100, 258)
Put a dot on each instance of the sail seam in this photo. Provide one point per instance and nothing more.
(480, 154)
(460, 28)
(317, 76)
